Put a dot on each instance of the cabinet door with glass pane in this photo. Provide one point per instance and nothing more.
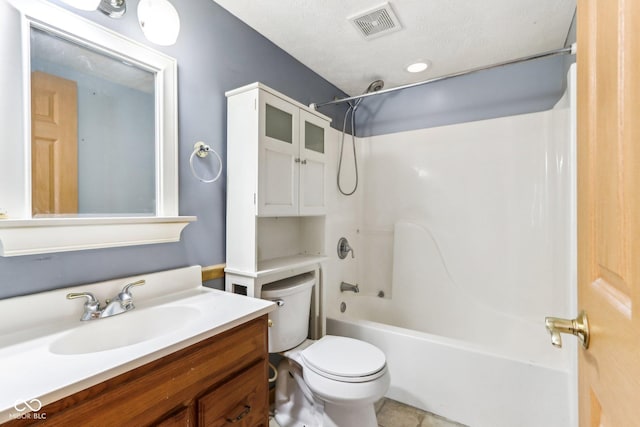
(279, 157)
(312, 164)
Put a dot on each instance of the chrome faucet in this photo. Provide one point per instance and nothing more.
(348, 287)
(123, 302)
(91, 306)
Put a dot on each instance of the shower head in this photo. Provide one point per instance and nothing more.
(375, 86)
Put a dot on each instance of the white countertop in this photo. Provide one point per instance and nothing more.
(29, 326)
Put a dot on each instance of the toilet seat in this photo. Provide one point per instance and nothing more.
(344, 359)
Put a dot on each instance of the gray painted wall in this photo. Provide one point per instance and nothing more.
(215, 53)
(515, 89)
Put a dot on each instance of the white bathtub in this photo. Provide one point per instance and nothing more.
(460, 380)
(468, 233)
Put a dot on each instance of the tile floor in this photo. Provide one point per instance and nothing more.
(391, 413)
(395, 414)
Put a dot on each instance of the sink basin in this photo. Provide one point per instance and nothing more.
(123, 330)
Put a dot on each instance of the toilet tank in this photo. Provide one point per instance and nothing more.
(290, 320)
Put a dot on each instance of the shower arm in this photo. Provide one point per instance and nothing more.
(564, 51)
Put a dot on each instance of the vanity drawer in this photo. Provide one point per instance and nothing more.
(168, 391)
(239, 401)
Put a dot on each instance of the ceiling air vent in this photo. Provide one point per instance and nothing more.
(376, 22)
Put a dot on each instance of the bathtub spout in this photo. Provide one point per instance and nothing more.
(348, 287)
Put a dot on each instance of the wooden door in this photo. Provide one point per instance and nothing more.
(608, 61)
(54, 145)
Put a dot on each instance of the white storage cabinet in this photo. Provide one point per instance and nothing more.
(285, 141)
(276, 181)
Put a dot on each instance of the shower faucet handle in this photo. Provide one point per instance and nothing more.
(344, 248)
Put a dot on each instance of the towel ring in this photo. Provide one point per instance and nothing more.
(202, 150)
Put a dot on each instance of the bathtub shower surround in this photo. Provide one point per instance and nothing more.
(466, 229)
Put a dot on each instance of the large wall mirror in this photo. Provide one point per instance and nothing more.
(92, 131)
(90, 137)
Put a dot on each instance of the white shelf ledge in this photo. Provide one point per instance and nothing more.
(276, 266)
(62, 234)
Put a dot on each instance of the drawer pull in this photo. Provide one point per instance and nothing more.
(241, 415)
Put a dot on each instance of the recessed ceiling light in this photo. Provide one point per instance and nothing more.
(418, 67)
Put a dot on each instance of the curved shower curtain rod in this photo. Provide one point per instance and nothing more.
(564, 51)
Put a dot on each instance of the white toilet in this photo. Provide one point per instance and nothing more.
(332, 382)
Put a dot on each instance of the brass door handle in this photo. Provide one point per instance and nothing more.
(578, 327)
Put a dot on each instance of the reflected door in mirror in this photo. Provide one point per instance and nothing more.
(54, 144)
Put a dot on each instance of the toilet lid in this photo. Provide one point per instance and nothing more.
(344, 357)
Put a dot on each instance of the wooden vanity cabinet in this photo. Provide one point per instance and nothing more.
(216, 382)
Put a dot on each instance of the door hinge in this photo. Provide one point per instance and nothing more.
(254, 199)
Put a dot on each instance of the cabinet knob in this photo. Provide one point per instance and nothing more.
(297, 160)
(304, 162)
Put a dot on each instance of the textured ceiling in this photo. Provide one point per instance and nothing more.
(454, 35)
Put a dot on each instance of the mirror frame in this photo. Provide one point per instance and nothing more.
(20, 234)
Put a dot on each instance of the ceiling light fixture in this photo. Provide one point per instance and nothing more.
(83, 4)
(159, 21)
(418, 66)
